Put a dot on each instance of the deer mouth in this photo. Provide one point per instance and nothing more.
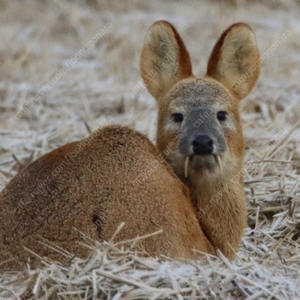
(188, 159)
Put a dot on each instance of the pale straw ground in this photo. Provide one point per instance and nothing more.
(71, 67)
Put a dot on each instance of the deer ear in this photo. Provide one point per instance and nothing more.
(164, 59)
(235, 61)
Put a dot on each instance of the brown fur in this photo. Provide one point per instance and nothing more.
(232, 71)
(115, 175)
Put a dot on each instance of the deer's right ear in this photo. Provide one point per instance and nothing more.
(164, 59)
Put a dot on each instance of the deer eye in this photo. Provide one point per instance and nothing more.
(177, 117)
(222, 115)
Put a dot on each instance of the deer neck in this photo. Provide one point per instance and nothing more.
(221, 209)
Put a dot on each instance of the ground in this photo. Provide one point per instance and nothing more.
(69, 67)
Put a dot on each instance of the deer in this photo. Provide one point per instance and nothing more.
(199, 127)
(117, 175)
(88, 188)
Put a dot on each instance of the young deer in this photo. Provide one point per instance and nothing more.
(116, 175)
(199, 125)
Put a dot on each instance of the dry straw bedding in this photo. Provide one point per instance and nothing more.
(67, 67)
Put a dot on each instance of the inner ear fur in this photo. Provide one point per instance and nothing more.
(164, 59)
(235, 60)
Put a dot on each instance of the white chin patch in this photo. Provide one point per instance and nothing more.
(188, 160)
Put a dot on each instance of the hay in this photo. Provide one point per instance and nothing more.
(112, 272)
(39, 39)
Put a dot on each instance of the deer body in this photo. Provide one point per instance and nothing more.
(116, 175)
(199, 126)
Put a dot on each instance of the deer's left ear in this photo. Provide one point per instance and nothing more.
(235, 60)
(164, 59)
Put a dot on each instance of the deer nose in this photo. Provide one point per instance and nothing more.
(203, 144)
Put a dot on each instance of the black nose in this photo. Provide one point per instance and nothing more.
(203, 144)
